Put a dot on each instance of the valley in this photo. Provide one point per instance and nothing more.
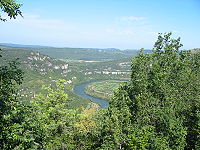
(84, 65)
(87, 101)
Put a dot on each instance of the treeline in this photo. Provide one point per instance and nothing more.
(158, 109)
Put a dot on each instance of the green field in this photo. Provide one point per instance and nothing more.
(103, 89)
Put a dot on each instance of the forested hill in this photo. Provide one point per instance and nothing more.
(40, 69)
(88, 54)
(195, 50)
(33, 60)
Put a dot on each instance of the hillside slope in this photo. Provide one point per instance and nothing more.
(40, 70)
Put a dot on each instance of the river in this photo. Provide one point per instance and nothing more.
(80, 90)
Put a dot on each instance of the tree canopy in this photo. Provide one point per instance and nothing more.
(159, 108)
(11, 8)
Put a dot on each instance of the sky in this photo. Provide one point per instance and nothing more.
(123, 24)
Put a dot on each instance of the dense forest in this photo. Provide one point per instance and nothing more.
(158, 109)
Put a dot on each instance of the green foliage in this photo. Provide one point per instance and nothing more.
(54, 117)
(34, 78)
(87, 54)
(16, 130)
(10, 75)
(159, 109)
(11, 8)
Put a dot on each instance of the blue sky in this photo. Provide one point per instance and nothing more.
(123, 24)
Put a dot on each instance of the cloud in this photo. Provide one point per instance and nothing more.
(36, 22)
(152, 33)
(175, 31)
(120, 32)
(132, 19)
(33, 29)
(128, 26)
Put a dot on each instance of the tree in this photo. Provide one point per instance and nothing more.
(55, 118)
(16, 128)
(11, 8)
(159, 108)
(9, 76)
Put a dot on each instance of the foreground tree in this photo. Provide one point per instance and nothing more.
(56, 120)
(11, 8)
(159, 108)
(16, 130)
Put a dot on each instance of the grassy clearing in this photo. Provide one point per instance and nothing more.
(103, 89)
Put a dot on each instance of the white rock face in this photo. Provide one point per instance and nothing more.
(56, 67)
(64, 66)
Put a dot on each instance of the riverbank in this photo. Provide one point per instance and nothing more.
(80, 90)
